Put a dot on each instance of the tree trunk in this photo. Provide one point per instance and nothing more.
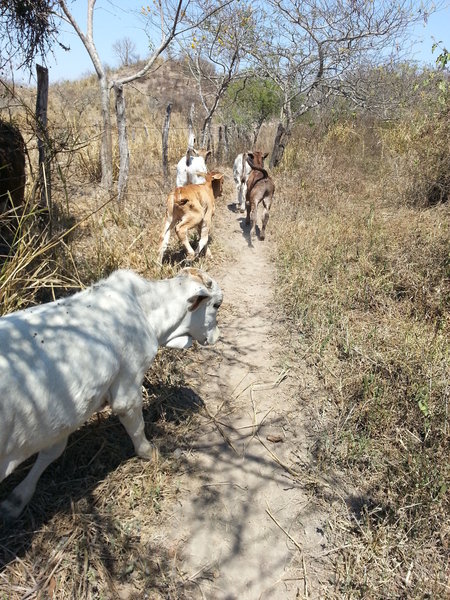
(42, 135)
(191, 132)
(226, 143)
(106, 149)
(256, 130)
(165, 142)
(279, 145)
(124, 153)
(206, 131)
(220, 145)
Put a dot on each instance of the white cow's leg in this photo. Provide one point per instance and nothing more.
(130, 415)
(164, 239)
(241, 197)
(22, 494)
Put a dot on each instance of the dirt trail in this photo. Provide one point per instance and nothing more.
(225, 534)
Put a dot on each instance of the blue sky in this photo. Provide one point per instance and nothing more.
(116, 19)
(113, 21)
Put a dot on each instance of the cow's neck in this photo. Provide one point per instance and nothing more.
(163, 308)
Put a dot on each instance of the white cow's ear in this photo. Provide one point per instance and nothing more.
(195, 301)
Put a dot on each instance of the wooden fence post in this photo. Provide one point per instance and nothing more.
(220, 144)
(165, 142)
(45, 200)
(226, 142)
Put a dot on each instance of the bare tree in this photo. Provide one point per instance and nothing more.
(313, 45)
(125, 50)
(174, 19)
(215, 54)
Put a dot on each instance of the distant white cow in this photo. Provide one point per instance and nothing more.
(241, 171)
(62, 361)
(191, 167)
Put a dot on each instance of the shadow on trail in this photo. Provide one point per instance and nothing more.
(241, 220)
(233, 208)
(245, 231)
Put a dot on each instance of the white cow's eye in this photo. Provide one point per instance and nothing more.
(217, 305)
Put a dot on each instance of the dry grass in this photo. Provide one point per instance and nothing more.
(365, 279)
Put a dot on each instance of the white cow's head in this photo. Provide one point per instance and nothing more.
(204, 298)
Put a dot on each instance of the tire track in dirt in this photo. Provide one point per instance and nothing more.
(245, 528)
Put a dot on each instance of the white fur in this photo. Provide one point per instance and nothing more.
(61, 361)
(240, 176)
(190, 174)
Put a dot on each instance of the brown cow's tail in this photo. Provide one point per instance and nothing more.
(256, 168)
(177, 199)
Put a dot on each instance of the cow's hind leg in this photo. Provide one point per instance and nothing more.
(205, 228)
(247, 216)
(203, 243)
(20, 496)
(265, 219)
(182, 230)
(164, 239)
(253, 218)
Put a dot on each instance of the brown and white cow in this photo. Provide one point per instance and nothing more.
(188, 207)
(260, 190)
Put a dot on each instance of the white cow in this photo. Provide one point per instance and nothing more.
(190, 168)
(62, 361)
(241, 171)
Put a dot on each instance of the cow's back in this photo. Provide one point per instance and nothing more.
(58, 360)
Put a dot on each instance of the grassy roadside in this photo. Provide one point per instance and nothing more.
(364, 277)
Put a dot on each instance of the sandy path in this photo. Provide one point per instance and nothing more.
(227, 542)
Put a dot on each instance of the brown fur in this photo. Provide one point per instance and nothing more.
(188, 207)
(199, 275)
(260, 189)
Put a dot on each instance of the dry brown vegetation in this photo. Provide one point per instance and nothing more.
(362, 235)
(363, 263)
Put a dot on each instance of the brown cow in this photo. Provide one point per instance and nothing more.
(190, 206)
(260, 189)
